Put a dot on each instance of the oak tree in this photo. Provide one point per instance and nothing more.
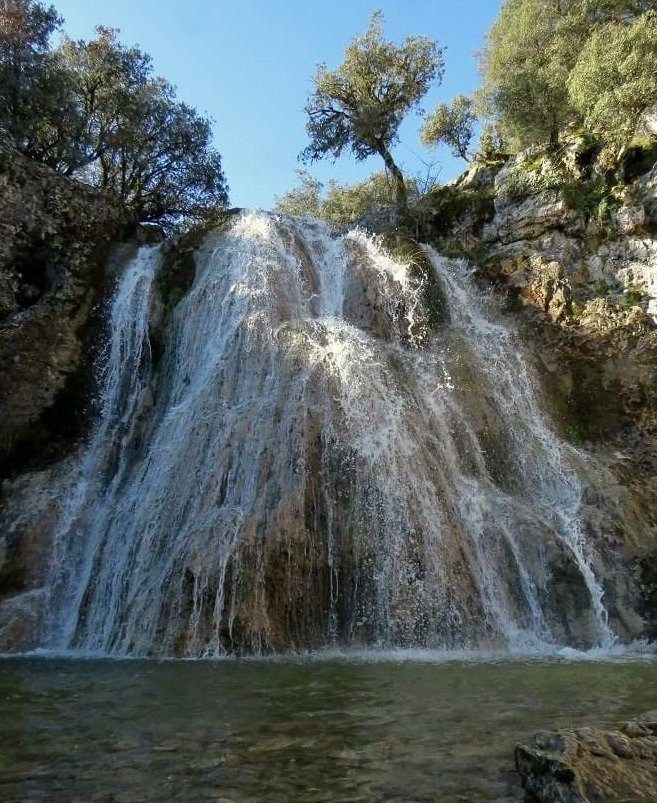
(360, 105)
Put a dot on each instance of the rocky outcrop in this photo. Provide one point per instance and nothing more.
(529, 218)
(611, 254)
(575, 255)
(589, 764)
(55, 237)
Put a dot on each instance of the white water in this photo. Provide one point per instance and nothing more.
(314, 470)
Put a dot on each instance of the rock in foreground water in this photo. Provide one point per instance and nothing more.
(589, 764)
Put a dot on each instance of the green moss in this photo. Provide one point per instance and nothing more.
(586, 406)
(178, 268)
(421, 269)
(440, 209)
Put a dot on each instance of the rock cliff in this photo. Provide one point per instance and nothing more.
(56, 237)
(577, 263)
(579, 276)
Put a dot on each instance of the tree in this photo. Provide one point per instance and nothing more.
(304, 200)
(94, 111)
(615, 78)
(525, 66)
(360, 105)
(340, 204)
(542, 61)
(153, 151)
(452, 124)
(37, 108)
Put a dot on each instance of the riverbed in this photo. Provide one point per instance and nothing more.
(367, 727)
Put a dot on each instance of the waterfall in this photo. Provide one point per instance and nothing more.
(312, 462)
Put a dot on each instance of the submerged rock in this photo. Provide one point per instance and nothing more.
(591, 764)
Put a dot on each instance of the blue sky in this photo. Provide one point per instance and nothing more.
(248, 64)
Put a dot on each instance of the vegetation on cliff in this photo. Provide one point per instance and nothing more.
(589, 63)
(95, 111)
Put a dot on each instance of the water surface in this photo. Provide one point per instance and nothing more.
(315, 730)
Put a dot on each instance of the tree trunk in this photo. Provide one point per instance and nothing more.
(400, 184)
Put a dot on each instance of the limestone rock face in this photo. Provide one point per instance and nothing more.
(588, 764)
(630, 219)
(586, 285)
(530, 217)
(55, 236)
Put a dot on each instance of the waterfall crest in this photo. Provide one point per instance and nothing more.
(309, 463)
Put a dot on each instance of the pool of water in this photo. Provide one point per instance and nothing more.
(352, 729)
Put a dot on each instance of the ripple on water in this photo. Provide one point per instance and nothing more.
(347, 726)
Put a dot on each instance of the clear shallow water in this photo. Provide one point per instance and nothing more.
(284, 730)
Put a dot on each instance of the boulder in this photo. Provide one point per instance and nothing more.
(20, 620)
(591, 764)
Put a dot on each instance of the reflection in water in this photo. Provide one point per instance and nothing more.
(292, 730)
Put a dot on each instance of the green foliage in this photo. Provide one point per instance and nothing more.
(615, 77)
(360, 105)
(150, 149)
(348, 203)
(304, 200)
(95, 111)
(492, 148)
(594, 198)
(632, 296)
(525, 66)
(548, 65)
(340, 204)
(36, 106)
(435, 215)
(452, 124)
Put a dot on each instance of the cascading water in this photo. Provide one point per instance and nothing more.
(310, 463)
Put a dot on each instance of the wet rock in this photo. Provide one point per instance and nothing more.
(29, 508)
(20, 618)
(590, 764)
